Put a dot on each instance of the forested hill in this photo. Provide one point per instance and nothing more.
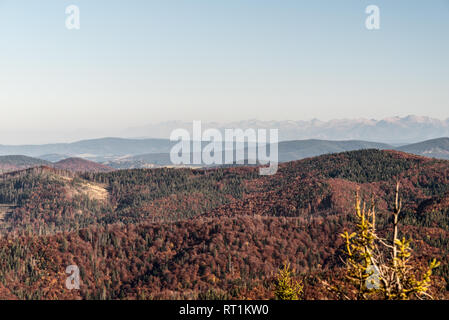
(81, 165)
(183, 233)
(18, 162)
(436, 148)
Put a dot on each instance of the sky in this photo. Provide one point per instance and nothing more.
(134, 62)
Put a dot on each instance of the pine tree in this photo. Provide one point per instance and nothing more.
(285, 287)
(379, 268)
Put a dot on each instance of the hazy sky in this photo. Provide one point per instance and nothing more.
(137, 62)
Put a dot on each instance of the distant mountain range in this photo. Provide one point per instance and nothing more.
(90, 149)
(103, 155)
(393, 130)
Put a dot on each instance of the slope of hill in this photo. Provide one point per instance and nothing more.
(53, 157)
(19, 162)
(148, 153)
(81, 165)
(288, 151)
(45, 200)
(436, 148)
(182, 233)
(150, 160)
(300, 149)
(94, 148)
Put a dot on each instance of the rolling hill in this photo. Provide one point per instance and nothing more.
(300, 149)
(81, 165)
(127, 154)
(18, 162)
(15, 163)
(95, 148)
(435, 148)
(288, 151)
(216, 233)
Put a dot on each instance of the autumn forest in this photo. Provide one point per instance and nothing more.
(219, 233)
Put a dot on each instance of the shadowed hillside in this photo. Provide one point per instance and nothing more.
(437, 148)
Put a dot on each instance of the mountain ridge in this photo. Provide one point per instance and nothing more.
(435, 148)
(288, 151)
(81, 165)
(19, 162)
(391, 130)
